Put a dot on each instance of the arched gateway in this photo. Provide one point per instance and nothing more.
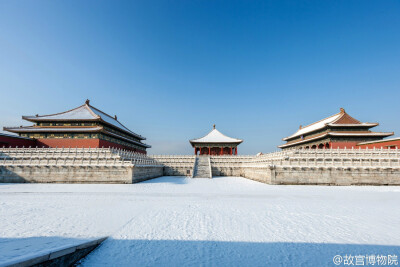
(215, 143)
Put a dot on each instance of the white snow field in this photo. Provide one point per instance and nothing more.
(225, 221)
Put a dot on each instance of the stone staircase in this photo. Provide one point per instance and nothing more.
(202, 168)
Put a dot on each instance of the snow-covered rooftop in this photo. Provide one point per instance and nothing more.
(30, 129)
(360, 134)
(314, 126)
(380, 141)
(341, 119)
(82, 113)
(15, 136)
(216, 136)
(291, 143)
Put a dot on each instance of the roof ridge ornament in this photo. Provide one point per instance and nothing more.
(213, 126)
(87, 101)
(115, 117)
(342, 110)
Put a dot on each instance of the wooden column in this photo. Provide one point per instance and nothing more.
(195, 150)
(222, 151)
(235, 150)
(209, 150)
(231, 151)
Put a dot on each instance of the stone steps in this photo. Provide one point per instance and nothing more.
(202, 168)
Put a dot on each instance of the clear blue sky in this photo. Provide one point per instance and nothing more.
(170, 69)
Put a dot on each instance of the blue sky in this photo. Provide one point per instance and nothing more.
(170, 69)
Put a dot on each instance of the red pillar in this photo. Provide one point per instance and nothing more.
(209, 151)
(195, 151)
(222, 151)
(231, 151)
(235, 150)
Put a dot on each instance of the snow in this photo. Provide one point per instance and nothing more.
(224, 221)
(216, 136)
(84, 112)
(361, 133)
(79, 113)
(105, 117)
(30, 129)
(315, 126)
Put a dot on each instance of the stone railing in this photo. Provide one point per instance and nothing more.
(184, 164)
(237, 161)
(174, 161)
(176, 165)
(385, 158)
(364, 153)
(377, 158)
(343, 162)
(72, 157)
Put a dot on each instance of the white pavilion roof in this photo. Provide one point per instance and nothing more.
(216, 136)
(82, 113)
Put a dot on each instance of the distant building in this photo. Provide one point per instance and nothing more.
(392, 143)
(8, 140)
(337, 131)
(84, 126)
(215, 143)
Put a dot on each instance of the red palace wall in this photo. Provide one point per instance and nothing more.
(9, 141)
(82, 143)
(343, 144)
(60, 142)
(393, 145)
(104, 143)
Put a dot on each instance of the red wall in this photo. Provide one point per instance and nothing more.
(383, 144)
(104, 143)
(86, 143)
(60, 142)
(9, 141)
(343, 144)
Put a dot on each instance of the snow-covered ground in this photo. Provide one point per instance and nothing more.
(173, 221)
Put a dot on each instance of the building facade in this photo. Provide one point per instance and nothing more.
(84, 126)
(8, 140)
(215, 143)
(337, 131)
(392, 143)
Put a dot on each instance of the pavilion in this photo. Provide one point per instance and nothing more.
(215, 143)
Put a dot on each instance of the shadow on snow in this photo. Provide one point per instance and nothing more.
(167, 180)
(219, 253)
(124, 252)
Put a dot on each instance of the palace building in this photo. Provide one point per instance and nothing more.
(337, 131)
(215, 143)
(392, 143)
(8, 140)
(84, 126)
